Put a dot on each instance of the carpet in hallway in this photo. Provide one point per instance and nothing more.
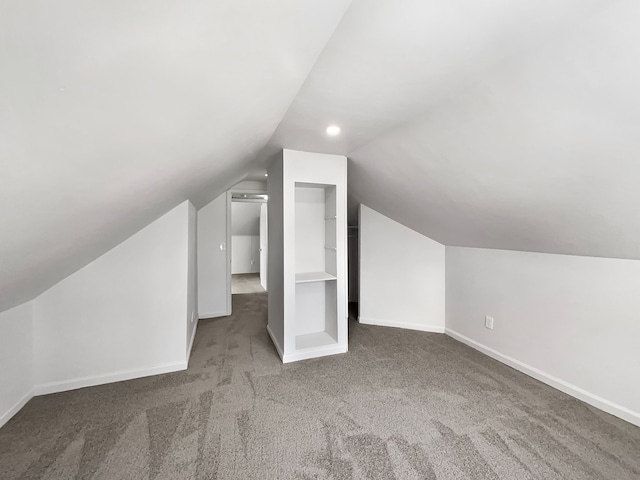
(246, 283)
(401, 404)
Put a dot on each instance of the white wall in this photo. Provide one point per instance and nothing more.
(245, 218)
(245, 237)
(275, 231)
(121, 316)
(402, 275)
(213, 266)
(192, 279)
(353, 256)
(245, 254)
(264, 245)
(251, 186)
(16, 352)
(572, 322)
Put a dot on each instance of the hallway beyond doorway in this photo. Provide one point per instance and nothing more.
(246, 283)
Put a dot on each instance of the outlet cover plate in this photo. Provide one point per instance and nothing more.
(488, 322)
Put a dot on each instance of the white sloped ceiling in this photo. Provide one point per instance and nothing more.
(112, 112)
(497, 124)
(538, 153)
(492, 123)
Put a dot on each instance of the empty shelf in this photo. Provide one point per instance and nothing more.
(314, 340)
(314, 277)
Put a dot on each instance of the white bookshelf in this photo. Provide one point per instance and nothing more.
(306, 277)
(314, 340)
(313, 320)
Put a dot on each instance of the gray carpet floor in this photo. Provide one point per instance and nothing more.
(401, 404)
(246, 283)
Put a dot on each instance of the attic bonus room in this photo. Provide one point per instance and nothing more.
(438, 280)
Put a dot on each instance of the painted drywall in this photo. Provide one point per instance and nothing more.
(354, 269)
(213, 267)
(385, 43)
(252, 186)
(202, 84)
(264, 245)
(245, 236)
(245, 254)
(121, 316)
(530, 153)
(275, 272)
(570, 321)
(16, 358)
(402, 275)
(245, 218)
(192, 279)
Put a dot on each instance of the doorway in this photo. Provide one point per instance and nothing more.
(248, 243)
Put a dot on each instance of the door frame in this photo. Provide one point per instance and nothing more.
(230, 192)
(264, 244)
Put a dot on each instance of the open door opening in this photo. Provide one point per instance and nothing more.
(248, 242)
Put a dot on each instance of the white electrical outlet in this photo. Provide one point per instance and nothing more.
(192, 316)
(488, 322)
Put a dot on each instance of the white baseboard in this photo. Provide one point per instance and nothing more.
(6, 416)
(64, 385)
(314, 353)
(408, 326)
(307, 353)
(193, 337)
(275, 343)
(205, 315)
(566, 387)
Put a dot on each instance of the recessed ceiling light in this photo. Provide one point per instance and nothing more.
(266, 174)
(333, 130)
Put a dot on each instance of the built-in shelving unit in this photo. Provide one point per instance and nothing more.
(314, 340)
(315, 247)
(311, 189)
(314, 277)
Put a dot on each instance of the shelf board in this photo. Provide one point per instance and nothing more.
(314, 277)
(314, 340)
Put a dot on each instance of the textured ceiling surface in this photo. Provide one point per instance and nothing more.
(494, 123)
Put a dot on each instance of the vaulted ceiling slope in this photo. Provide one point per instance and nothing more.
(497, 123)
(493, 123)
(111, 113)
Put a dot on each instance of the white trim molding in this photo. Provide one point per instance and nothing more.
(307, 353)
(314, 353)
(207, 315)
(65, 385)
(193, 337)
(409, 326)
(6, 416)
(566, 387)
(275, 343)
